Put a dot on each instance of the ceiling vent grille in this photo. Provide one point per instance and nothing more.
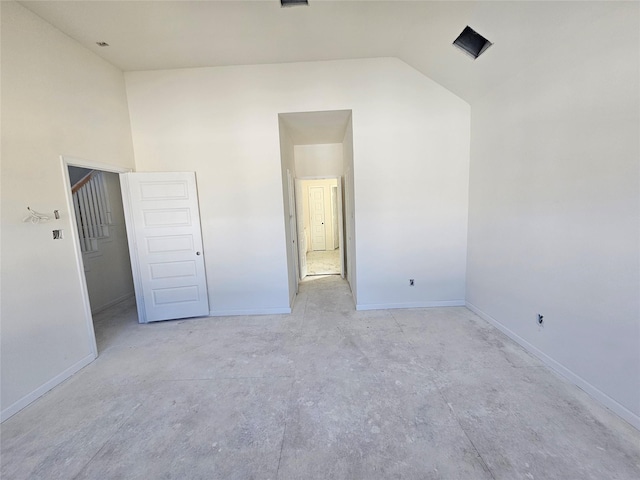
(293, 3)
(472, 43)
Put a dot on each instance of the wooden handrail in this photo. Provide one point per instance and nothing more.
(82, 182)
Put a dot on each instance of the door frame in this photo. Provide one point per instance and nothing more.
(67, 161)
(301, 241)
(335, 215)
(341, 207)
(341, 243)
(293, 226)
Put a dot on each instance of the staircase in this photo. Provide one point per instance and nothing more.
(93, 213)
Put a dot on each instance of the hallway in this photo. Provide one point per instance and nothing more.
(324, 262)
(324, 393)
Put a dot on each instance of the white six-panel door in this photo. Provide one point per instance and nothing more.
(316, 207)
(165, 243)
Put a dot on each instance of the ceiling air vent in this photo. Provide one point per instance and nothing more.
(471, 42)
(293, 3)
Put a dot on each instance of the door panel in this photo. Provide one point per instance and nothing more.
(302, 238)
(170, 243)
(172, 270)
(165, 245)
(173, 217)
(316, 208)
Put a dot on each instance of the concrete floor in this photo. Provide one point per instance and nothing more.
(323, 393)
(325, 262)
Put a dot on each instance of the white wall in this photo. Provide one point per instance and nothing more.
(349, 209)
(411, 154)
(288, 165)
(108, 271)
(57, 98)
(321, 160)
(554, 216)
(411, 151)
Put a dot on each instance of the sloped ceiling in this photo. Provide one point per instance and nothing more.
(152, 35)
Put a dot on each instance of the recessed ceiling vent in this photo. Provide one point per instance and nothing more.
(293, 3)
(471, 42)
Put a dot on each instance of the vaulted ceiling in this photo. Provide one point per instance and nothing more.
(152, 35)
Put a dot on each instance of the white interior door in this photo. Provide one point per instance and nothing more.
(334, 216)
(165, 244)
(340, 227)
(302, 238)
(316, 209)
(292, 225)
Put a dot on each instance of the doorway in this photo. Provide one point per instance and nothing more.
(317, 146)
(166, 276)
(321, 223)
(95, 208)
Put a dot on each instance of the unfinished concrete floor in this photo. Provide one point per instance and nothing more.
(323, 393)
(324, 262)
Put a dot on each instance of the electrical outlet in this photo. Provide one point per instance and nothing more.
(57, 235)
(411, 282)
(540, 319)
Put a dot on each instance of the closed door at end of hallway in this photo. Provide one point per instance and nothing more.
(316, 208)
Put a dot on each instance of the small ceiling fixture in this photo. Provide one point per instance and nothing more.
(294, 3)
(471, 42)
(102, 44)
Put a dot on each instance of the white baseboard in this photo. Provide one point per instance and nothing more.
(580, 382)
(249, 311)
(386, 306)
(112, 303)
(38, 392)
